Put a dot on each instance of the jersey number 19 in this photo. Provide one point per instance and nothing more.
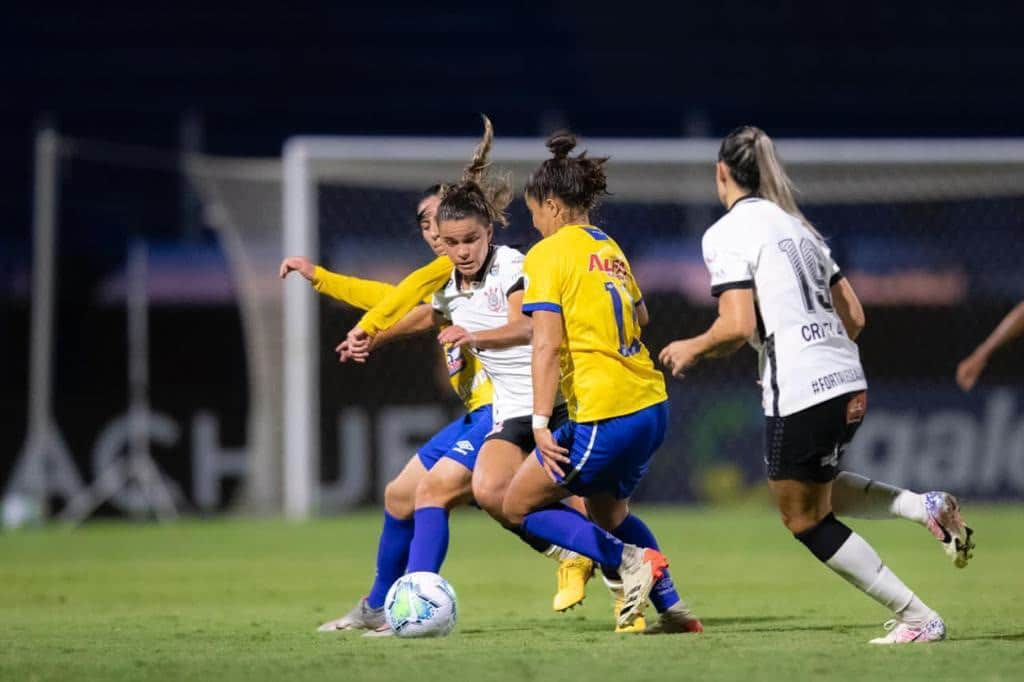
(810, 273)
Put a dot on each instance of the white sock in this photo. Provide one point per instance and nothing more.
(860, 497)
(560, 553)
(916, 612)
(859, 564)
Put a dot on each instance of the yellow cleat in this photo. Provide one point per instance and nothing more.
(573, 575)
(638, 624)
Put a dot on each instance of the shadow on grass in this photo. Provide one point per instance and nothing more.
(1009, 637)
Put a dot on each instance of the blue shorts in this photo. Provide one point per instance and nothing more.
(611, 455)
(461, 440)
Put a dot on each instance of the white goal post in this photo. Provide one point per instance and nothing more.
(847, 171)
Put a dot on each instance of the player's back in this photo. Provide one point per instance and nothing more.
(806, 354)
(606, 370)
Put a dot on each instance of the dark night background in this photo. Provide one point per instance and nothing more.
(257, 72)
(246, 76)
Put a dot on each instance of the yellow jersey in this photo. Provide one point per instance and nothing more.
(581, 273)
(466, 374)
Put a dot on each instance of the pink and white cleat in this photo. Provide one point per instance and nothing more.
(948, 527)
(900, 632)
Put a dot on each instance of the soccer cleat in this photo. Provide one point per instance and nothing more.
(946, 524)
(380, 631)
(638, 624)
(361, 617)
(900, 632)
(677, 619)
(573, 575)
(640, 569)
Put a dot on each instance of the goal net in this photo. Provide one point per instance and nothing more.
(261, 416)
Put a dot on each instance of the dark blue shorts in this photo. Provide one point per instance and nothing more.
(611, 455)
(461, 440)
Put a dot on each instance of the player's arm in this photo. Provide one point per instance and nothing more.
(848, 307)
(406, 295)
(358, 293)
(971, 367)
(418, 320)
(517, 332)
(642, 316)
(545, 372)
(416, 286)
(732, 328)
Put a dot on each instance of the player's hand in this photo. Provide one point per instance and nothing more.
(299, 264)
(355, 347)
(552, 455)
(969, 369)
(680, 356)
(456, 336)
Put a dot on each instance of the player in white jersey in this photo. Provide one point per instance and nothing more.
(482, 301)
(780, 290)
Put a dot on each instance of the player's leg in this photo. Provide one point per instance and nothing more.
(533, 501)
(392, 550)
(498, 462)
(803, 452)
(446, 486)
(860, 497)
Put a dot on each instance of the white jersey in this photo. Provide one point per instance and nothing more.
(484, 305)
(805, 354)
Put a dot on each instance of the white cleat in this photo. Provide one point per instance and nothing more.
(640, 569)
(900, 632)
(948, 527)
(361, 617)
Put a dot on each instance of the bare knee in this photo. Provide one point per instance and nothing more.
(513, 512)
(398, 500)
(799, 522)
(436, 491)
(490, 497)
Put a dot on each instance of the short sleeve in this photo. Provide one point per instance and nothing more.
(542, 280)
(511, 273)
(729, 266)
(832, 271)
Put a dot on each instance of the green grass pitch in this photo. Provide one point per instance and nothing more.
(240, 600)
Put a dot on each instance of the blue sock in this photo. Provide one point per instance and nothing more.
(567, 528)
(392, 555)
(430, 541)
(635, 532)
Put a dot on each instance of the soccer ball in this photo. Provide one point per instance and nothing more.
(420, 604)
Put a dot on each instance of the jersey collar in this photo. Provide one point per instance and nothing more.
(741, 199)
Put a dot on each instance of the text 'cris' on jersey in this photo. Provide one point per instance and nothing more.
(581, 273)
(482, 306)
(806, 356)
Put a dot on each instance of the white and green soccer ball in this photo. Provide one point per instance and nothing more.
(420, 604)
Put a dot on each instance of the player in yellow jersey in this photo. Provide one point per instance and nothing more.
(470, 383)
(479, 200)
(587, 313)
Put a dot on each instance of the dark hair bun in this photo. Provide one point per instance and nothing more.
(561, 143)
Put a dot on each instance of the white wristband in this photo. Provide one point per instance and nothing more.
(540, 421)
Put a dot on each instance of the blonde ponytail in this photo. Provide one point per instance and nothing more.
(750, 155)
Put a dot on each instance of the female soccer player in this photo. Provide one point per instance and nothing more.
(482, 295)
(779, 288)
(971, 367)
(587, 312)
(468, 380)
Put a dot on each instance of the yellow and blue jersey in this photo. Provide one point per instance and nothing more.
(384, 301)
(581, 273)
